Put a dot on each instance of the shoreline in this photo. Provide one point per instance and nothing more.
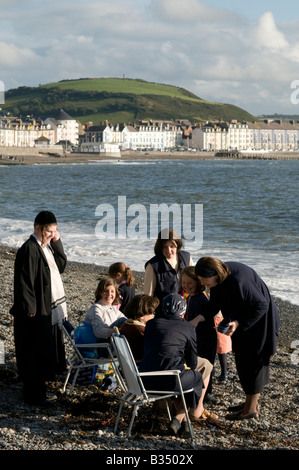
(17, 157)
(85, 420)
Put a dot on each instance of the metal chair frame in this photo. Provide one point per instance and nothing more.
(136, 394)
(77, 362)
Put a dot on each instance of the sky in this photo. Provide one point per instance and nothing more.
(240, 52)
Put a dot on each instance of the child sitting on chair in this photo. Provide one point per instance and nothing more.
(139, 311)
(102, 316)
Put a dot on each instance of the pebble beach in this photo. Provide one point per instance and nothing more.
(85, 419)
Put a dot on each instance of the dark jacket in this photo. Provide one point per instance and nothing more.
(167, 279)
(244, 297)
(32, 280)
(205, 331)
(126, 294)
(39, 345)
(169, 343)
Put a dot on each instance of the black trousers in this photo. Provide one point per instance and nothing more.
(34, 390)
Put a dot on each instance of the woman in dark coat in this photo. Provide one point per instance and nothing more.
(39, 308)
(251, 314)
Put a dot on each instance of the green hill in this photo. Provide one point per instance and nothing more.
(117, 100)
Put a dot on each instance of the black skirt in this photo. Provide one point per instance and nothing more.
(252, 372)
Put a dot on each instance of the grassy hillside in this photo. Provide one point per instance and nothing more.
(123, 85)
(117, 100)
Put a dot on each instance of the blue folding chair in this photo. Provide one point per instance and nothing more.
(77, 363)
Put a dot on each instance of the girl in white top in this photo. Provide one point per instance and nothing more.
(103, 315)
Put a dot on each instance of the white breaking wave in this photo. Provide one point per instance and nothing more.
(279, 270)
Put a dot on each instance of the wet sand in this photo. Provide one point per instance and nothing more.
(17, 157)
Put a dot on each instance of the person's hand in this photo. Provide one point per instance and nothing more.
(56, 236)
(233, 325)
(31, 315)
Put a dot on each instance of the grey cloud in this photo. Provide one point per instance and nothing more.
(214, 53)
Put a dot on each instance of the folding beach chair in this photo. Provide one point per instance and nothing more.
(77, 363)
(136, 394)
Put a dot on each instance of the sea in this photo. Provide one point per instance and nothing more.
(112, 210)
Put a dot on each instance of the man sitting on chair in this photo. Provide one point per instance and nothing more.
(170, 343)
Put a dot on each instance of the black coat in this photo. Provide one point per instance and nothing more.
(32, 279)
(126, 294)
(38, 345)
(244, 297)
(169, 343)
(205, 331)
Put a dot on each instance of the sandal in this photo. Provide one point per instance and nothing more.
(207, 416)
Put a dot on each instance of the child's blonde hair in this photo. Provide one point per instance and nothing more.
(121, 268)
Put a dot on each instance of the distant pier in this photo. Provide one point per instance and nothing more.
(258, 155)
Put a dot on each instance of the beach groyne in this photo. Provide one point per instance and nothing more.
(258, 155)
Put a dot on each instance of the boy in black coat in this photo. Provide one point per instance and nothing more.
(38, 342)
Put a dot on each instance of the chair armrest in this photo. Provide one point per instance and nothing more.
(160, 372)
(93, 345)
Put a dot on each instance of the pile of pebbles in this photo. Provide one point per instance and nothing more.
(85, 420)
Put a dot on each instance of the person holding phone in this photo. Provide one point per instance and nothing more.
(39, 308)
(253, 322)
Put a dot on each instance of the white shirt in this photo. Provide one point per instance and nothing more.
(101, 317)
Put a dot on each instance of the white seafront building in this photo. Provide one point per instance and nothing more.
(152, 135)
(266, 135)
(17, 132)
(65, 132)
